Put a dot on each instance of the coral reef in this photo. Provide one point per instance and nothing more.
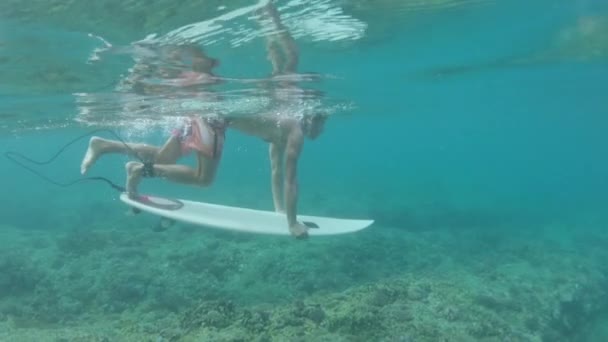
(385, 285)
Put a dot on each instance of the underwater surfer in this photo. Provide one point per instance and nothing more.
(204, 135)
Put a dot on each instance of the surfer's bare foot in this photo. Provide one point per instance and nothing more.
(91, 155)
(134, 173)
(299, 231)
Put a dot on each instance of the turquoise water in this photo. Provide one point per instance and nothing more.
(473, 133)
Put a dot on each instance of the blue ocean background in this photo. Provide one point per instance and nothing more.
(473, 133)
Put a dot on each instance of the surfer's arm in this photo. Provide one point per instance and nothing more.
(276, 169)
(292, 154)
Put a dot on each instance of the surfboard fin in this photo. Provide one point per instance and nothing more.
(163, 224)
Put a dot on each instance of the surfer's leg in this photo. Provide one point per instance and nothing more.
(99, 146)
(167, 154)
(170, 152)
(203, 175)
(276, 152)
(134, 174)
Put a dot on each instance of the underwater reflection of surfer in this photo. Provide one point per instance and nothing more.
(204, 135)
(169, 68)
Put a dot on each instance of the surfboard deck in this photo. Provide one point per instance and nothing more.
(240, 219)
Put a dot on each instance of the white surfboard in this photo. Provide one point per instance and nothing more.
(240, 219)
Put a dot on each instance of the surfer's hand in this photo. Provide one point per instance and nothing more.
(299, 231)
